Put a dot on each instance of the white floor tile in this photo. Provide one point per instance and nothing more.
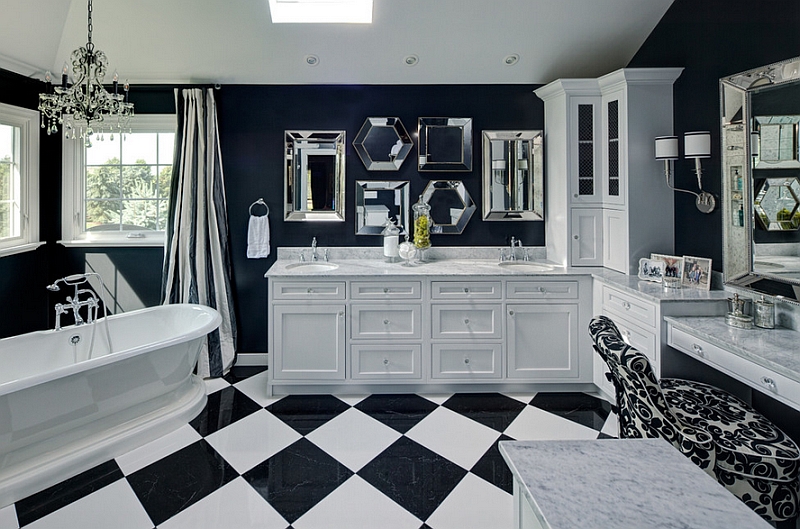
(140, 457)
(524, 398)
(357, 505)
(474, 504)
(215, 384)
(8, 518)
(535, 424)
(437, 398)
(255, 387)
(251, 440)
(236, 505)
(456, 437)
(114, 506)
(353, 438)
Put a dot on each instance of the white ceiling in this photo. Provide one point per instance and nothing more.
(234, 41)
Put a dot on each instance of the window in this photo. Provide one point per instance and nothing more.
(116, 192)
(19, 179)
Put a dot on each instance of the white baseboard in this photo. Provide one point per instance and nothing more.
(252, 359)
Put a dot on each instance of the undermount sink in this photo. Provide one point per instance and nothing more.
(312, 266)
(527, 265)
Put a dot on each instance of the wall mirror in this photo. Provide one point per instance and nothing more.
(314, 175)
(451, 206)
(513, 175)
(761, 247)
(445, 144)
(378, 201)
(383, 144)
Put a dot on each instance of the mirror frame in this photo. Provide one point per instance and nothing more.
(737, 135)
(469, 205)
(296, 142)
(534, 186)
(463, 125)
(401, 219)
(393, 164)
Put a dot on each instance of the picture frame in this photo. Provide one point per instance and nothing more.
(673, 265)
(696, 272)
(651, 270)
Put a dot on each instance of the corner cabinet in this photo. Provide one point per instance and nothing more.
(608, 203)
(362, 334)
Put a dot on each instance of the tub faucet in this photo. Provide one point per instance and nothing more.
(74, 302)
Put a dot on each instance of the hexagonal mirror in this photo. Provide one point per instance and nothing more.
(383, 144)
(451, 206)
(776, 204)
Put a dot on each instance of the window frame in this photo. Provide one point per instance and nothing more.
(27, 121)
(73, 191)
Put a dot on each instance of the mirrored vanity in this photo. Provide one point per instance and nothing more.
(314, 171)
(761, 179)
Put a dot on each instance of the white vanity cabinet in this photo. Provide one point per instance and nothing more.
(340, 332)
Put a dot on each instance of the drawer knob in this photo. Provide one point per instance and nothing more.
(510, 312)
(466, 289)
(341, 313)
(466, 360)
(576, 237)
(626, 305)
(386, 361)
(767, 381)
(386, 290)
(310, 290)
(466, 321)
(698, 350)
(386, 322)
(543, 290)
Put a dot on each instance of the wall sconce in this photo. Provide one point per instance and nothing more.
(696, 145)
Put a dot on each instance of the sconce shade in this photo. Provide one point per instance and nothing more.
(667, 148)
(697, 144)
(755, 142)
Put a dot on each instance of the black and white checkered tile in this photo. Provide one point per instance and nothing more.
(389, 461)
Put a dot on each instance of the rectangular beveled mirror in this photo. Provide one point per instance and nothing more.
(378, 201)
(314, 175)
(513, 175)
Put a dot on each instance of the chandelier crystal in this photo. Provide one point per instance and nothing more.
(92, 107)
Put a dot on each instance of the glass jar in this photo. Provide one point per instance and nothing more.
(391, 241)
(422, 224)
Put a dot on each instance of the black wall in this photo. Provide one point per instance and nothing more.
(713, 39)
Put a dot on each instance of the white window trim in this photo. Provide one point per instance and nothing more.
(28, 122)
(73, 175)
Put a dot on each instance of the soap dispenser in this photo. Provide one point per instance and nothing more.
(391, 240)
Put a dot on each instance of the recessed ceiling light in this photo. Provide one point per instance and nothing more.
(511, 60)
(411, 60)
(311, 60)
(321, 11)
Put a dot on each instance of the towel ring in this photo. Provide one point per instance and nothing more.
(258, 202)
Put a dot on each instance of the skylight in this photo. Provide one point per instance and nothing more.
(321, 11)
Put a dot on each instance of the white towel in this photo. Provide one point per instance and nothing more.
(258, 237)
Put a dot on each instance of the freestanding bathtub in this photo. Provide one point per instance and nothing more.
(62, 412)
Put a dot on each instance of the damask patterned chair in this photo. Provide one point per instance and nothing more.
(735, 444)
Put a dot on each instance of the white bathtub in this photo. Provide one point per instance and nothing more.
(59, 416)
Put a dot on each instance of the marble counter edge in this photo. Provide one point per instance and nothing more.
(523, 488)
(776, 343)
(655, 292)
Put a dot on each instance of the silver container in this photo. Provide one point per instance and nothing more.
(764, 315)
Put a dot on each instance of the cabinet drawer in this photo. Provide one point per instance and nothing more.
(385, 361)
(393, 290)
(467, 321)
(642, 340)
(467, 360)
(542, 290)
(629, 306)
(466, 290)
(382, 321)
(768, 382)
(316, 290)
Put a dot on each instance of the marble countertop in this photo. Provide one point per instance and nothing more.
(775, 349)
(655, 291)
(621, 483)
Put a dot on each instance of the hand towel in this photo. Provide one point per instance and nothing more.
(258, 237)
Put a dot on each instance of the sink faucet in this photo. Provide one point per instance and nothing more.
(314, 249)
(512, 256)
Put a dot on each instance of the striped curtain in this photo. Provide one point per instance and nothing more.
(197, 263)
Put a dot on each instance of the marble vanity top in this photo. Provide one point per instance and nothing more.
(621, 483)
(775, 349)
(655, 291)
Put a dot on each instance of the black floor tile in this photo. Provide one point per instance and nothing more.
(401, 412)
(224, 407)
(297, 478)
(53, 498)
(414, 477)
(179, 480)
(237, 374)
(578, 407)
(490, 409)
(493, 468)
(306, 413)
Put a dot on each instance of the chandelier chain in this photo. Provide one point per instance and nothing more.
(89, 45)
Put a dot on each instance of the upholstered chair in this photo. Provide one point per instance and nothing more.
(727, 438)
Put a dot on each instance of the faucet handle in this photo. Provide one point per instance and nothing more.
(326, 255)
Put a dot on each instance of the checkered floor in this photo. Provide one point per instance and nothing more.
(388, 461)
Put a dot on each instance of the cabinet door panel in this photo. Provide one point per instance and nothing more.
(467, 360)
(386, 361)
(309, 342)
(587, 237)
(615, 240)
(467, 321)
(386, 321)
(543, 341)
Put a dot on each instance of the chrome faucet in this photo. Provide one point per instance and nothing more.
(512, 256)
(74, 302)
(314, 249)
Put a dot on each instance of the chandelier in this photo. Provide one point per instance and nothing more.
(92, 107)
